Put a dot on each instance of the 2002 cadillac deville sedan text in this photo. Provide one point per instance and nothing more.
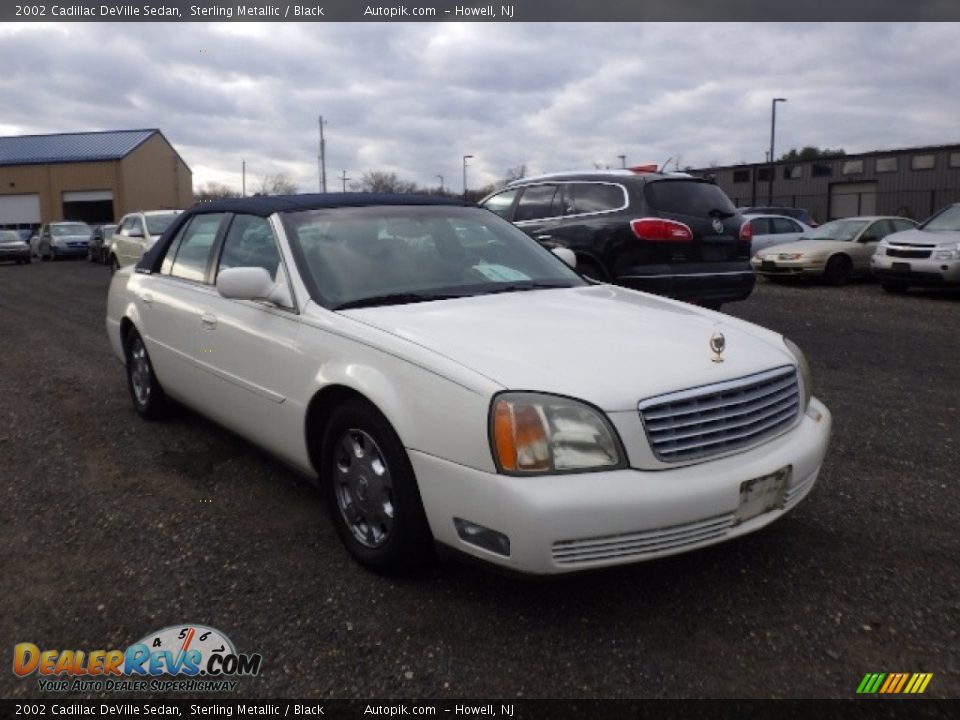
(449, 380)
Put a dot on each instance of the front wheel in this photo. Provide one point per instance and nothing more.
(591, 270)
(371, 490)
(114, 264)
(838, 270)
(149, 400)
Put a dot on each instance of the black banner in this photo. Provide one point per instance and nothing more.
(449, 10)
(502, 709)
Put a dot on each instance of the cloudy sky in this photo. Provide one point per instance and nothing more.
(414, 98)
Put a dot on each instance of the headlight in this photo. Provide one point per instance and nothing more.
(949, 254)
(805, 377)
(790, 256)
(533, 433)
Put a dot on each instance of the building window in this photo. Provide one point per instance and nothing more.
(741, 176)
(853, 167)
(793, 172)
(764, 174)
(955, 159)
(922, 162)
(821, 170)
(886, 164)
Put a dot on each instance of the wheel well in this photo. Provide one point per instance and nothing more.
(126, 325)
(321, 406)
(587, 258)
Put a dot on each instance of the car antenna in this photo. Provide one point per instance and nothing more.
(666, 162)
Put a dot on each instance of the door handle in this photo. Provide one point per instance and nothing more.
(209, 320)
(147, 298)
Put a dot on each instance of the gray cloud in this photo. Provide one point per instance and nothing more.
(414, 98)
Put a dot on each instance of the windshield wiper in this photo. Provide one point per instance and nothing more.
(526, 285)
(394, 299)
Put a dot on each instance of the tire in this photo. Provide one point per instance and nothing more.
(114, 264)
(371, 491)
(148, 397)
(838, 270)
(894, 287)
(591, 270)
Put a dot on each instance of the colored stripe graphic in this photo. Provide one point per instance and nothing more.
(894, 683)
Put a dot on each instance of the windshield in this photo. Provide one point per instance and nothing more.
(845, 230)
(400, 254)
(70, 229)
(949, 219)
(689, 197)
(156, 224)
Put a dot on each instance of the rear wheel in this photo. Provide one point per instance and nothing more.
(371, 490)
(148, 397)
(838, 270)
(591, 270)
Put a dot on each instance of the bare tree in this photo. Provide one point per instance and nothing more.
(275, 184)
(515, 173)
(381, 181)
(214, 191)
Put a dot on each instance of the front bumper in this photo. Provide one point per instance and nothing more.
(8, 254)
(915, 271)
(564, 523)
(706, 283)
(786, 268)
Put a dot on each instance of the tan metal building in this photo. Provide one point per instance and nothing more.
(96, 177)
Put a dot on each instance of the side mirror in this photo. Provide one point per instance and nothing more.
(566, 254)
(252, 283)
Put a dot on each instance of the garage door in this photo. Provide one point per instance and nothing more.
(849, 199)
(91, 206)
(19, 209)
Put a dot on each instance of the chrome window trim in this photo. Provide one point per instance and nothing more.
(623, 189)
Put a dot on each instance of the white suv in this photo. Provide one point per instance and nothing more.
(136, 233)
(928, 255)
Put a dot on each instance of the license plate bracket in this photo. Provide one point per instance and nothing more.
(763, 494)
(768, 265)
(900, 267)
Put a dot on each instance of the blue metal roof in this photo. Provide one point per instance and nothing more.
(70, 147)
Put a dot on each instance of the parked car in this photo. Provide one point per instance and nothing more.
(448, 379)
(60, 239)
(765, 231)
(13, 248)
(835, 251)
(800, 214)
(664, 233)
(99, 248)
(928, 255)
(136, 233)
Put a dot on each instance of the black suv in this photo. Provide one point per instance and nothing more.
(664, 233)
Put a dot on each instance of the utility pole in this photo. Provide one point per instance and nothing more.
(465, 158)
(243, 176)
(773, 130)
(322, 157)
(441, 183)
(344, 178)
(623, 160)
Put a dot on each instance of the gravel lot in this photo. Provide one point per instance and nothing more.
(111, 527)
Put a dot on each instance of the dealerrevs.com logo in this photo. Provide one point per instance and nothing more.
(180, 658)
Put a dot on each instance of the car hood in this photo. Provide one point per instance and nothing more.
(925, 237)
(808, 247)
(604, 344)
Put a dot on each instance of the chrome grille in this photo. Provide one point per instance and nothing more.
(715, 419)
(638, 545)
(919, 252)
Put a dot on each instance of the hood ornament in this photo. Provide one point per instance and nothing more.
(718, 343)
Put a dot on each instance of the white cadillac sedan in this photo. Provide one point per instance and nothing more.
(448, 380)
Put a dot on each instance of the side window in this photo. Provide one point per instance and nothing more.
(900, 225)
(783, 225)
(501, 202)
(250, 243)
(592, 197)
(124, 228)
(193, 249)
(537, 201)
(877, 231)
(761, 226)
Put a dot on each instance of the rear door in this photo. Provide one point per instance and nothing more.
(707, 211)
(537, 209)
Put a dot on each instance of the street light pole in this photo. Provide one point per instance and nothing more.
(465, 158)
(344, 178)
(441, 183)
(773, 131)
(623, 160)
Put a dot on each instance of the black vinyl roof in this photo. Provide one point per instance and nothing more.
(264, 205)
